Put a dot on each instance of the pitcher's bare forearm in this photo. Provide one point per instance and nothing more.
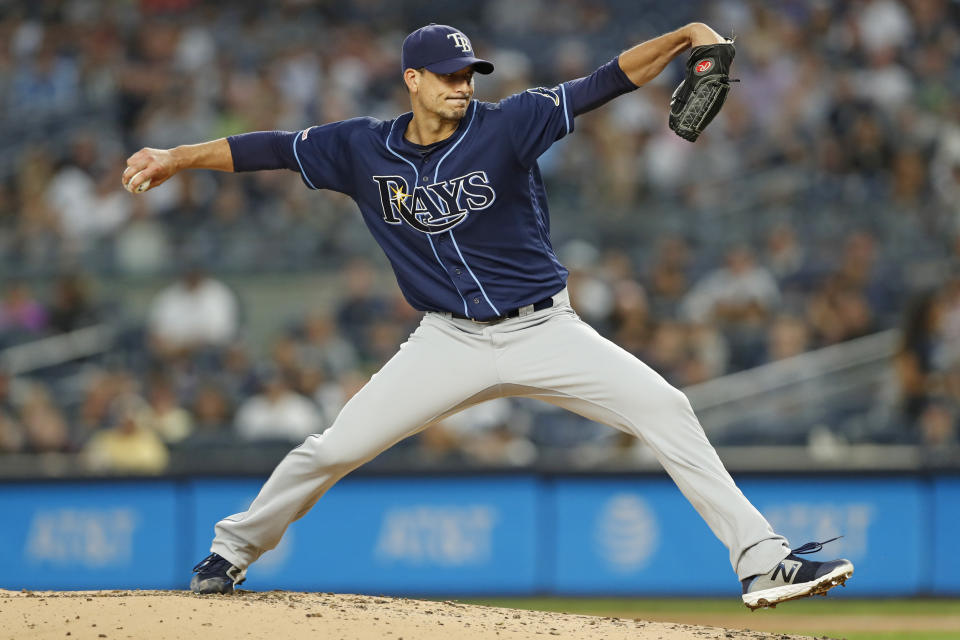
(206, 155)
(645, 61)
(159, 165)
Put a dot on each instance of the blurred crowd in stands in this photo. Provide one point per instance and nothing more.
(823, 205)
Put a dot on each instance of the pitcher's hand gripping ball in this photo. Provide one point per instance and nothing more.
(701, 94)
(140, 188)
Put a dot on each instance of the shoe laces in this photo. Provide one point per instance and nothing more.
(812, 547)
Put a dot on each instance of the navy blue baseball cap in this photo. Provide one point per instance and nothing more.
(440, 49)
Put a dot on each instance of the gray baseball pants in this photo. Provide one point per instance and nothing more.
(449, 364)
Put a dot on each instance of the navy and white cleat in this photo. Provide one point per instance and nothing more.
(794, 578)
(215, 574)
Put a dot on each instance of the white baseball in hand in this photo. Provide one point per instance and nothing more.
(141, 188)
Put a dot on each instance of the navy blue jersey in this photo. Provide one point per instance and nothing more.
(464, 222)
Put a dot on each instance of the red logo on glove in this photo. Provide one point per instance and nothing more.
(703, 66)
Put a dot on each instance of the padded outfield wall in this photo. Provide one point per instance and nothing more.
(477, 535)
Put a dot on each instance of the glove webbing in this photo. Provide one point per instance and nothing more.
(700, 106)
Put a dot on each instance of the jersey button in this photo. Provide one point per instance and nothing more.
(457, 271)
(424, 178)
(476, 301)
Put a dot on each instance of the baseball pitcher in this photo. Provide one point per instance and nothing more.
(452, 193)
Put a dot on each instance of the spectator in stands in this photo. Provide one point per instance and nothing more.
(127, 445)
(21, 313)
(738, 297)
(492, 433)
(937, 424)
(277, 412)
(741, 291)
(837, 312)
(361, 305)
(163, 412)
(485, 434)
(785, 256)
(630, 320)
(788, 336)
(100, 388)
(211, 415)
(72, 306)
(321, 346)
(709, 354)
(666, 352)
(211, 410)
(195, 312)
(11, 431)
(633, 332)
(46, 81)
(923, 365)
(285, 356)
(668, 278)
(236, 375)
(36, 241)
(86, 201)
(43, 422)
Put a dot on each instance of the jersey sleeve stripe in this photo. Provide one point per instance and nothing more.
(300, 164)
(566, 112)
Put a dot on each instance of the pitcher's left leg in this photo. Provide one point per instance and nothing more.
(562, 360)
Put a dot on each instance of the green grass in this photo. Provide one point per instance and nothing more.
(899, 635)
(633, 606)
(804, 617)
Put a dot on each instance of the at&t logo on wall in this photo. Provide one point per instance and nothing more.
(626, 533)
(438, 536)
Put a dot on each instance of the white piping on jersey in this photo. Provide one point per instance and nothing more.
(540, 218)
(456, 288)
(450, 150)
(297, 156)
(566, 116)
(470, 271)
(416, 181)
(436, 173)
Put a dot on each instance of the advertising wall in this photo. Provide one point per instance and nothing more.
(398, 535)
(946, 527)
(116, 535)
(463, 535)
(627, 536)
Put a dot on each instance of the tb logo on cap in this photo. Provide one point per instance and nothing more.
(460, 40)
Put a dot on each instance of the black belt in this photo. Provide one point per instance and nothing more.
(540, 305)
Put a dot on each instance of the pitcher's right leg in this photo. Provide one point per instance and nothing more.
(439, 370)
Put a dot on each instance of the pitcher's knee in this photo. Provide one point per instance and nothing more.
(332, 453)
(671, 401)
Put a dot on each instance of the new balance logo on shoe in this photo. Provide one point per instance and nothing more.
(795, 577)
(788, 568)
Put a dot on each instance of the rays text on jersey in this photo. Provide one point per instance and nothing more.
(436, 207)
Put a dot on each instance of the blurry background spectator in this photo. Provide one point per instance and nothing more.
(277, 412)
(196, 312)
(127, 444)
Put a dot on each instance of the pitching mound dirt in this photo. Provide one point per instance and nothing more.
(170, 615)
